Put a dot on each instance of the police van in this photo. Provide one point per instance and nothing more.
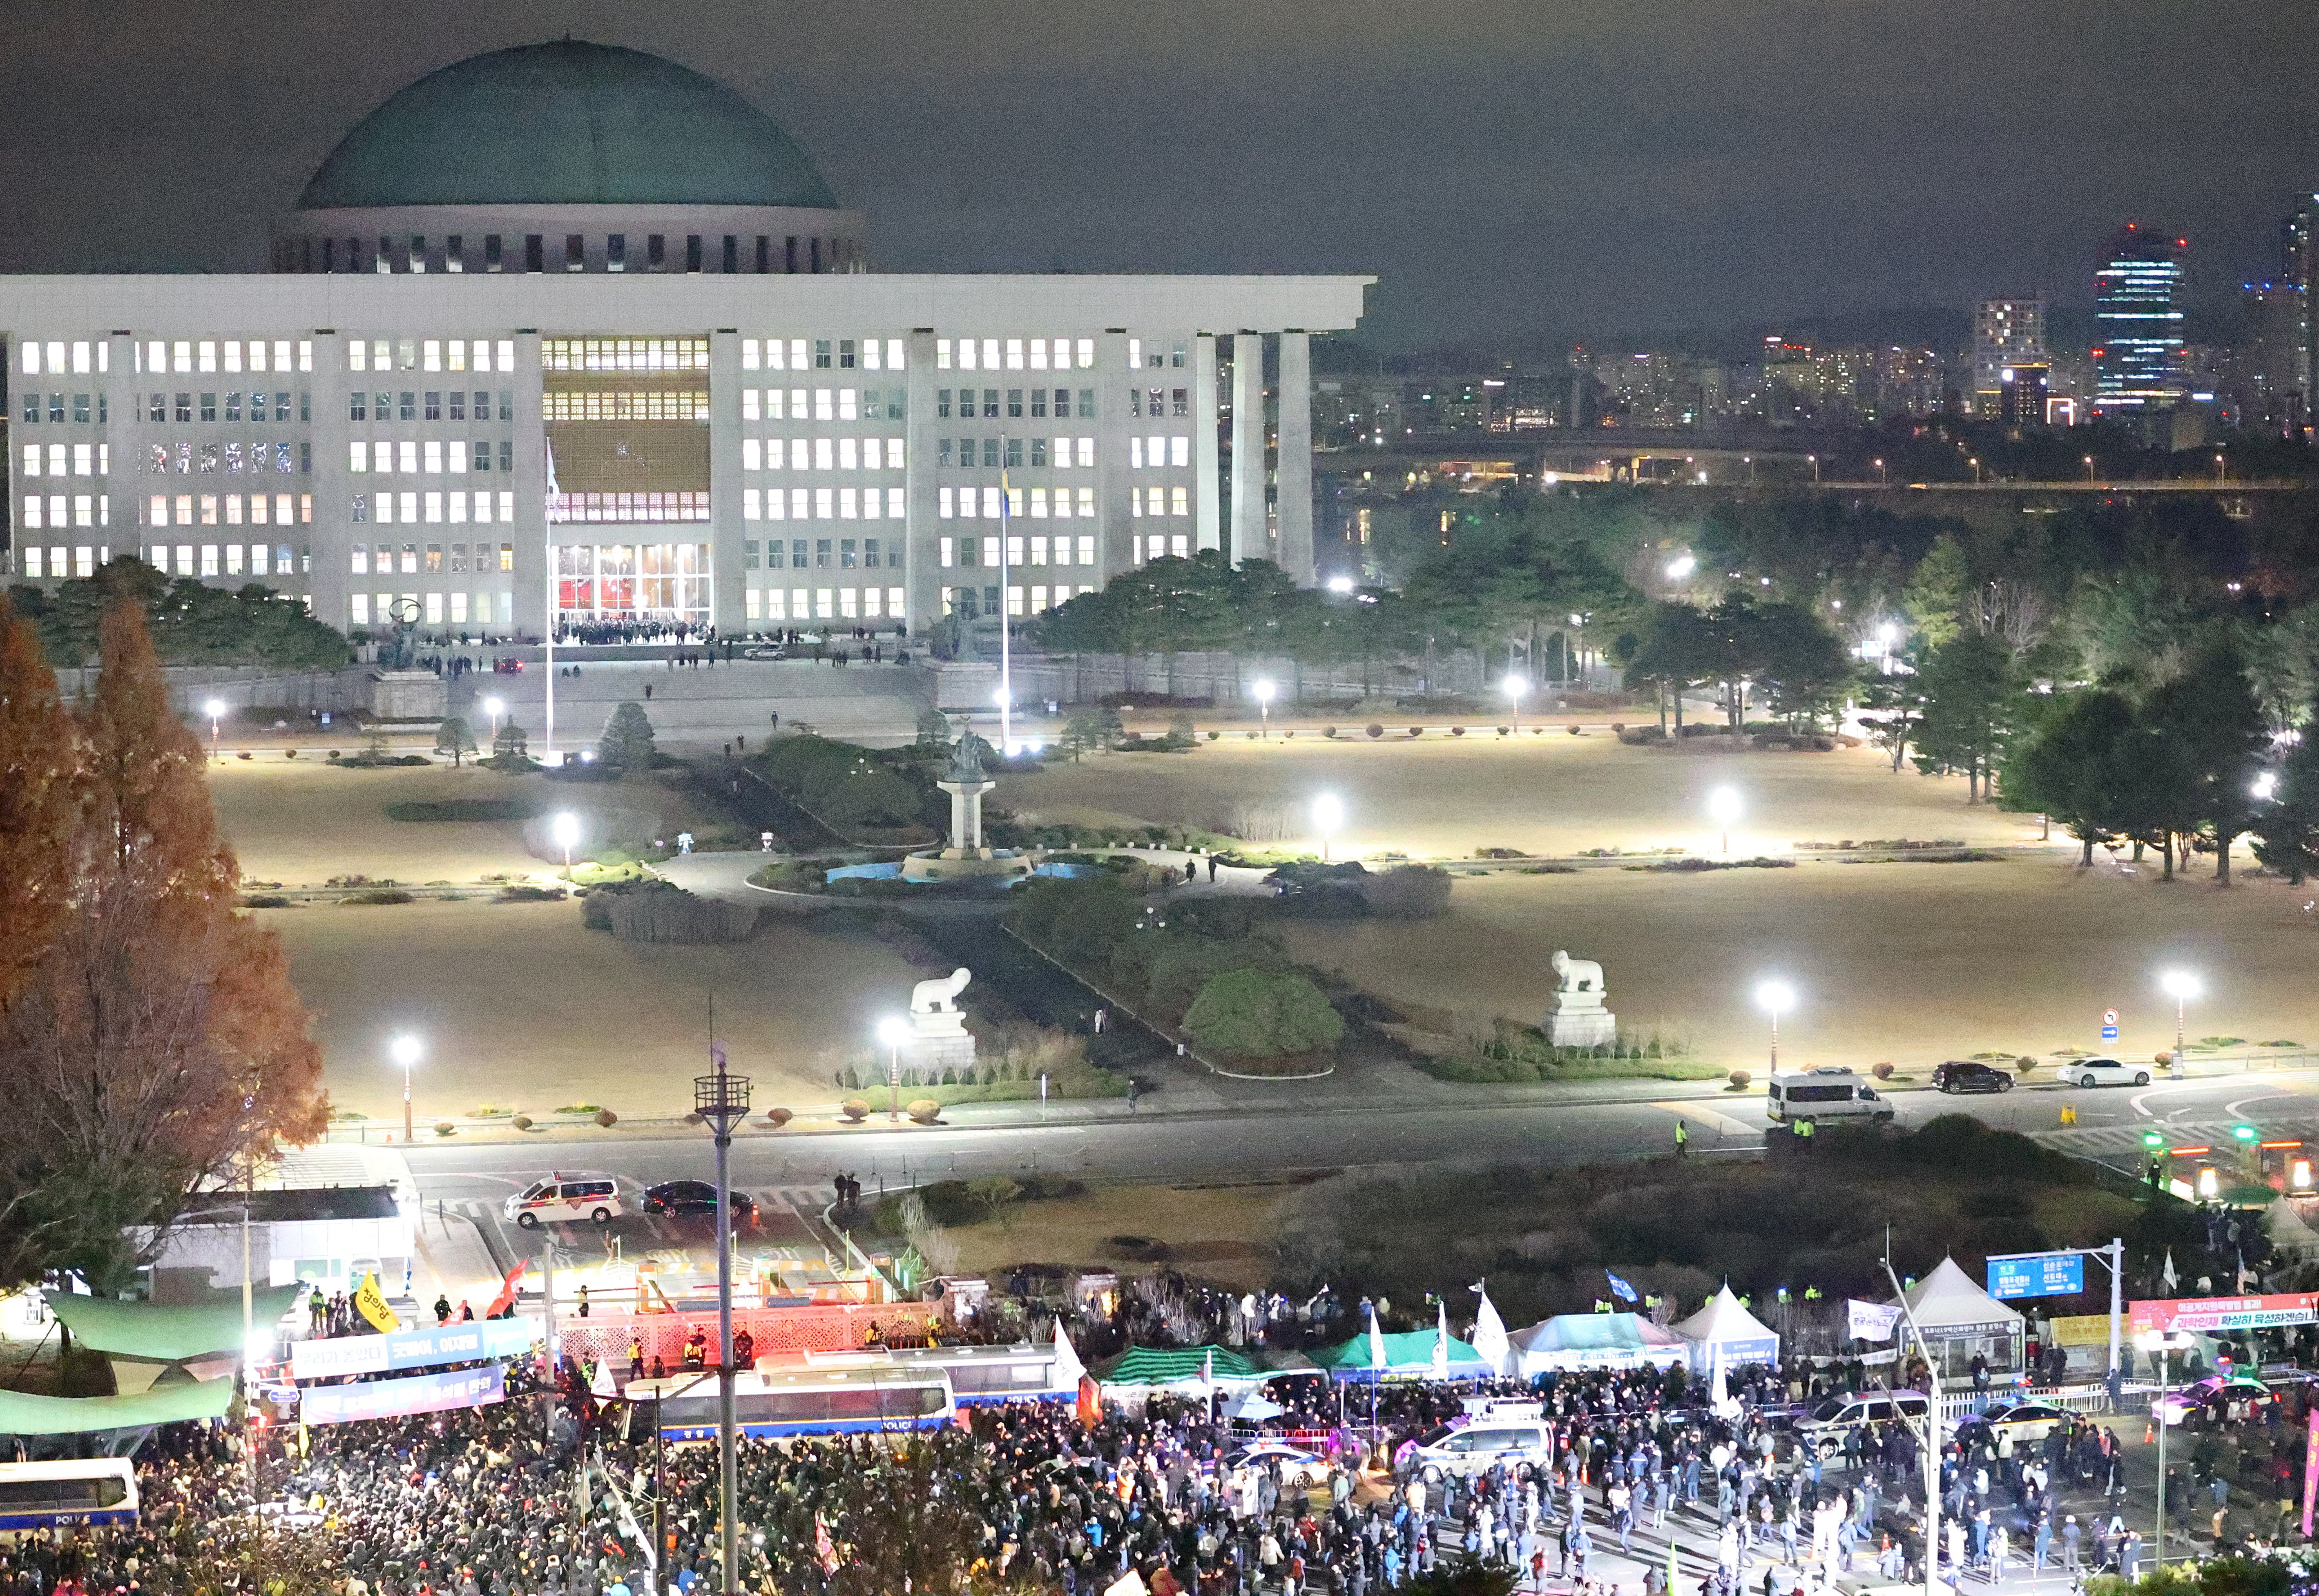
(1831, 1092)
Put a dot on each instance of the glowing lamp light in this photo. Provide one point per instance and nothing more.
(2299, 1175)
(1340, 584)
(1264, 691)
(893, 1030)
(1681, 567)
(1775, 997)
(1328, 818)
(1725, 805)
(2181, 984)
(214, 708)
(405, 1051)
(494, 707)
(2210, 1185)
(565, 829)
(2265, 786)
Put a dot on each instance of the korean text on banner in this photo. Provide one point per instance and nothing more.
(2209, 1314)
(2310, 1471)
(470, 1341)
(392, 1399)
(1871, 1321)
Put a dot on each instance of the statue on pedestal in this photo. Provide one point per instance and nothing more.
(939, 1038)
(1579, 1017)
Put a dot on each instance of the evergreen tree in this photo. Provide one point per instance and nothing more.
(2286, 827)
(453, 738)
(2072, 768)
(2209, 712)
(1971, 689)
(627, 744)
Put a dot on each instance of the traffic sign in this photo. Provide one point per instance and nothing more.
(2036, 1275)
(2109, 1034)
(2109, 1016)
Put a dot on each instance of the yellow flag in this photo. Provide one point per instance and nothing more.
(372, 1305)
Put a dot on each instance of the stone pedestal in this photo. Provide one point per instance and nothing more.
(1582, 1028)
(939, 1040)
(408, 695)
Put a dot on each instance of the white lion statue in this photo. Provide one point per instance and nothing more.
(939, 997)
(1577, 975)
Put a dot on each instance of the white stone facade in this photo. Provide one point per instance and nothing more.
(210, 424)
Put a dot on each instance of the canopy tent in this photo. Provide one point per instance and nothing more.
(1593, 1342)
(1958, 1320)
(170, 1343)
(24, 1415)
(1252, 1406)
(1175, 1368)
(1725, 1324)
(2289, 1232)
(1408, 1356)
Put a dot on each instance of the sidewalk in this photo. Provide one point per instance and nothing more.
(453, 1262)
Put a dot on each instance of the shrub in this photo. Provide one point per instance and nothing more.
(1457, 731)
(521, 1122)
(627, 744)
(1328, 731)
(445, 1128)
(657, 912)
(778, 1117)
(1408, 892)
(606, 1118)
(2024, 1064)
(1503, 730)
(1214, 735)
(1740, 1080)
(376, 896)
(1574, 731)
(1882, 1071)
(1261, 1014)
(1375, 730)
(925, 1111)
(1417, 731)
(855, 1111)
(265, 900)
(1618, 728)
(522, 894)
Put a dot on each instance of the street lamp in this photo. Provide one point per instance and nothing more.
(1882, 480)
(1515, 686)
(2090, 471)
(1263, 691)
(723, 1101)
(1775, 997)
(2265, 786)
(1680, 568)
(565, 829)
(1328, 818)
(404, 1051)
(1723, 807)
(894, 1030)
(215, 710)
(2163, 1343)
(2181, 986)
(493, 707)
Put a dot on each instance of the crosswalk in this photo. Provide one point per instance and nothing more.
(2110, 1144)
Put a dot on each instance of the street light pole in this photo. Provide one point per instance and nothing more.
(723, 1101)
(215, 708)
(406, 1053)
(893, 1030)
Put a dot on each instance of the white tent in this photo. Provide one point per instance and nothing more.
(1592, 1341)
(1253, 1406)
(1726, 1324)
(2289, 1232)
(1958, 1319)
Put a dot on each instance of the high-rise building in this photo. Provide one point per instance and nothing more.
(2004, 332)
(2021, 394)
(2138, 342)
(2300, 280)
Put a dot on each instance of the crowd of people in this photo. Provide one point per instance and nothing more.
(539, 1497)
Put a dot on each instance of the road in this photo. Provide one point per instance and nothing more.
(1231, 1141)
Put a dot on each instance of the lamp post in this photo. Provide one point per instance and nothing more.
(2181, 986)
(565, 829)
(1882, 479)
(1515, 686)
(1775, 997)
(1723, 807)
(215, 710)
(1328, 817)
(723, 1101)
(1263, 691)
(2090, 471)
(404, 1050)
(493, 707)
(894, 1030)
(2164, 1343)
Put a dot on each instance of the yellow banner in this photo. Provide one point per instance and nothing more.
(371, 1303)
(2081, 1329)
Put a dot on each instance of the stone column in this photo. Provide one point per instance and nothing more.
(1294, 514)
(728, 583)
(1248, 537)
(1207, 490)
(924, 575)
(529, 481)
(1115, 545)
(328, 579)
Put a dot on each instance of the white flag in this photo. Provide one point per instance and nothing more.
(2169, 1276)
(1377, 1341)
(1490, 1334)
(1871, 1321)
(1441, 1344)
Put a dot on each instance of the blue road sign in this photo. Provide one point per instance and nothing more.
(2036, 1275)
(2109, 1034)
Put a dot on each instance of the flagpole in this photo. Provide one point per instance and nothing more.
(1006, 654)
(547, 622)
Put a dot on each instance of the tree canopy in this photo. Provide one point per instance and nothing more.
(190, 622)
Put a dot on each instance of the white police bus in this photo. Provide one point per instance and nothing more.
(69, 1493)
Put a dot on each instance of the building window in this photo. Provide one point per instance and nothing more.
(692, 252)
(535, 252)
(655, 251)
(732, 254)
(616, 253)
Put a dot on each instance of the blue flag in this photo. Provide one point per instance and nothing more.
(1620, 1289)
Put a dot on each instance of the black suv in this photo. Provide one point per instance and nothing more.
(689, 1197)
(1962, 1075)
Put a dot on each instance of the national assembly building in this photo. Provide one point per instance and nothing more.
(568, 336)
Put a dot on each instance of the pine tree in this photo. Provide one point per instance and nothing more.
(627, 741)
(453, 738)
(154, 1042)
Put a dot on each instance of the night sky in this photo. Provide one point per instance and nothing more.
(1509, 171)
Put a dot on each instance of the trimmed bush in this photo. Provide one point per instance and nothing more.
(925, 1111)
(521, 1122)
(445, 1128)
(1262, 1013)
(1457, 731)
(1408, 892)
(855, 1111)
(1375, 730)
(606, 1118)
(1740, 1080)
(1572, 730)
(1328, 731)
(1882, 1071)
(778, 1117)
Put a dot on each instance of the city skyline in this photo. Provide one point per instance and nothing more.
(1792, 163)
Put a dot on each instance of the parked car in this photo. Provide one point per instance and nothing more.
(2024, 1421)
(2104, 1072)
(1962, 1075)
(1822, 1429)
(1296, 1467)
(1481, 1446)
(565, 1198)
(2212, 1400)
(766, 651)
(681, 1198)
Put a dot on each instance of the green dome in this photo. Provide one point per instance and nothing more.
(566, 124)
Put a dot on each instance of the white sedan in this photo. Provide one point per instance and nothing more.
(2104, 1072)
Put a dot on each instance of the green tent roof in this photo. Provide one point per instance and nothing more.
(78, 1415)
(1168, 1365)
(1407, 1349)
(167, 1334)
(566, 123)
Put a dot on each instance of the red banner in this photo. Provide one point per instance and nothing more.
(2209, 1314)
(2310, 1471)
